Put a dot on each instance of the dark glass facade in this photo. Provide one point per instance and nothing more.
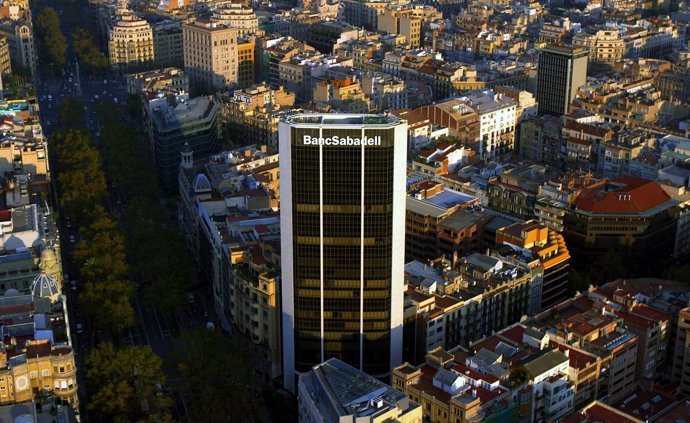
(350, 251)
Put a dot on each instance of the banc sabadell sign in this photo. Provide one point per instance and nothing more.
(336, 140)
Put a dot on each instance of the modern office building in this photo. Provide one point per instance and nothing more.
(335, 392)
(210, 54)
(561, 71)
(195, 122)
(342, 240)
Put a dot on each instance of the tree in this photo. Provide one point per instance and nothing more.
(53, 41)
(86, 50)
(108, 303)
(126, 382)
(218, 385)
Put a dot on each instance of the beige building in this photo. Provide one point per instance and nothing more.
(238, 16)
(210, 54)
(605, 47)
(5, 61)
(20, 37)
(246, 64)
(344, 95)
(40, 366)
(681, 358)
(407, 21)
(130, 42)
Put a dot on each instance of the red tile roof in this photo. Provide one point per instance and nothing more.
(649, 312)
(602, 413)
(636, 196)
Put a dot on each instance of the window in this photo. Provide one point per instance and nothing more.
(45, 372)
(34, 374)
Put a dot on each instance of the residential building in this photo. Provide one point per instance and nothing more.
(363, 13)
(385, 92)
(558, 194)
(194, 122)
(246, 64)
(254, 112)
(463, 122)
(436, 224)
(325, 35)
(497, 122)
(629, 216)
(228, 217)
(20, 39)
(681, 357)
(561, 71)
(343, 95)
(549, 247)
(333, 392)
(210, 55)
(238, 16)
(407, 21)
(540, 140)
(515, 190)
(153, 81)
(130, 43)
(168, 49)
(449, 391)
(5, 58)
(41, 358)
(351, 212)
(605, 47)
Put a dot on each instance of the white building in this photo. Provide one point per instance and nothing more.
(498, 117)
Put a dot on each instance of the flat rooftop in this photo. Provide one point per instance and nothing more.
(338, 119)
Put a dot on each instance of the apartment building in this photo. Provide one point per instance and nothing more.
(130, 42)
(441, 222)
(540, 140)
(343, 95)
(681, 358)
(407, 21)
(515, 190)
(549, 247)
(246, 63)
(20, 40)
(255, 112)
(168, 49)
(228, 217)
(33, 363)
(605, 47)
(449, 391)
(5, 58)
(236, 15)
(210, 55)
(562, 70)
(150, 82)
(497, 122)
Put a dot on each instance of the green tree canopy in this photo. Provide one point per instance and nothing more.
(125, 383)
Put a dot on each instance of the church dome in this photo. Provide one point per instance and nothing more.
(44, 286)
(201, 184)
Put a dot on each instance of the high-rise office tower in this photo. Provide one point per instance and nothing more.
(561, 71)
(342, 211)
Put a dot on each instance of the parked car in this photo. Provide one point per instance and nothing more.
(73, 285)
(72, 239)
(80, 328)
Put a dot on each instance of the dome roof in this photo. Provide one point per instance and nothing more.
(201, 183)
(44, 286)
(186, 148)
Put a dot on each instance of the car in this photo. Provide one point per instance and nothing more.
(72, 239)
(210, 326)
(73, 285)
(68, 224)
(190, 298)
(65, 277)
(80, 328)
(105, 81)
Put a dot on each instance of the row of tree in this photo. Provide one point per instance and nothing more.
(158, 254)
(124, 381)
(53, 41)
